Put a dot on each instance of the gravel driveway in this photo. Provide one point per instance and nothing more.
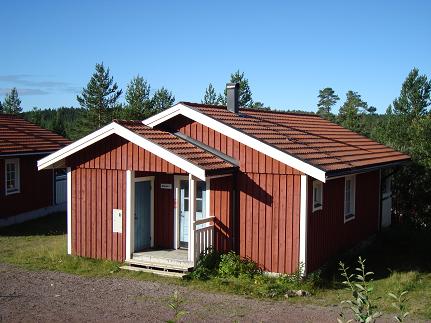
(51, 296)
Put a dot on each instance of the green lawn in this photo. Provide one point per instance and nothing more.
(400, 259)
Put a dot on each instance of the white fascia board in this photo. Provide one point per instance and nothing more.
(238, 136)
(164, 115)
(115, 128)
(75, 146)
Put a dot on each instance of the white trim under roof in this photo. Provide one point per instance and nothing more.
(115, 128)
(285, 158)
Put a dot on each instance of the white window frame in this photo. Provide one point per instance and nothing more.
(319, 186)
(17, 188)
(350, 215)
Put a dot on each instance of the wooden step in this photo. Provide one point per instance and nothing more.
(155, 271)
(157, 264)
(176, 264)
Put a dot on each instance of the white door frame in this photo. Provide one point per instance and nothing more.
(130, 215)
(177, 201)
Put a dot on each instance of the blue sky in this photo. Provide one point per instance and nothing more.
(288, 50)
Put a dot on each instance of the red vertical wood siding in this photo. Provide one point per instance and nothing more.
(268, 231)
(327, 232)
(115, 152)
(268, 197)
(36, 188)
(221, 196)
(92, 234)
(99, 186)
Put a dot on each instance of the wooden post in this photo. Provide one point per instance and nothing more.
(192, 218)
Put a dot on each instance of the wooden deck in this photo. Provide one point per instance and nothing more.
(161, 261)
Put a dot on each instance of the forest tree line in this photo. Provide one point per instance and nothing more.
(405, 126)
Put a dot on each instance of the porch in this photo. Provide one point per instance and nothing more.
(168, 223)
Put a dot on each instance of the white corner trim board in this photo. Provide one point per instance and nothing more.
(115, 128)
(69, 211)
(129, 206)
(238, 136)
(303, 223)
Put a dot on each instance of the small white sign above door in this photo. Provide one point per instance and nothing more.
(117, 220)
(166, 186)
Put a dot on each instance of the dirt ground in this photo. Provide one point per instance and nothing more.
(29, 296)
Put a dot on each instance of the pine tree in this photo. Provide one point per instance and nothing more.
(138, 99)
(327, 99)
(407, 127)
(210, 96)
(99, 99)
(245, 96)
(221, 99)
(162, 100)
(414, 97)
(349, 115)
(12, 103)
(1, 107)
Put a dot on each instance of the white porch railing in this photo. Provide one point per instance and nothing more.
(204, 237)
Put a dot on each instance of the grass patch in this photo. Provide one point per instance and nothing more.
(400, 259)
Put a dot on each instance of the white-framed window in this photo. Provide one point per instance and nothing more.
(349, 198)
(12, 179)
(317, 195)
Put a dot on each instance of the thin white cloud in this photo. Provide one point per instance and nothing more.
(32, 85)
(24, 91)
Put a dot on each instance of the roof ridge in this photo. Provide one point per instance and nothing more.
(265, 110)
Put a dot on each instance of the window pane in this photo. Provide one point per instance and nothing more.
(11, 177)
(199, 205)
(185, 187)
(200, 188)
(186, 204)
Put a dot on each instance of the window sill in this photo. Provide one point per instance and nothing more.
(317, 208)
(351, 217)
(12, 193)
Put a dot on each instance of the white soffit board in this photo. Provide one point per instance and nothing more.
(129, 135)
(237, 135)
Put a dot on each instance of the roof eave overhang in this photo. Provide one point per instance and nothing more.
(33, 153)
(366, 169)
(238, 135)
(114, 128)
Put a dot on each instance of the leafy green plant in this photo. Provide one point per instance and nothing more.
(361, 304)
(207, 265)
(232, 265)
(176, 302)
(399, 303)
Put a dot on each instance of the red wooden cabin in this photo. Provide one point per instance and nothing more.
(26, 193)
(279, 188)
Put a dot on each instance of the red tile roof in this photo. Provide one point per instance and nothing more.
(307, 137)
(179, 146)
(20, 136)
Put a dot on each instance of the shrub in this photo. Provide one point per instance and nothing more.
(207, 265)
(231, 265)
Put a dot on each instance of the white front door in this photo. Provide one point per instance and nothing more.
(184, 209)
(184, 213)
